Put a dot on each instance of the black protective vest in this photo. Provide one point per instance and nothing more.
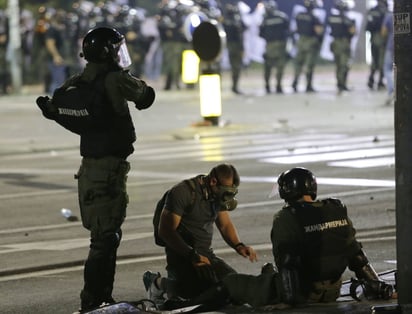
(306, 22)
(374, 19)
(275, 27)
(234, 28)
(340, 26)
(327, 239)
(114, 140)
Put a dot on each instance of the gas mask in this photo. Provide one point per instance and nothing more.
(224, 196)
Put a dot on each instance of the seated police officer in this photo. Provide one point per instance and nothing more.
(105, 145)
(313, 241)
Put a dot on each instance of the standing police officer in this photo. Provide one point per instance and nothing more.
(310, 30)
(4, 63)
(342, 30)
(275, 31)
(234, 28)
(173, 41)
(102, 175)
(375, 18)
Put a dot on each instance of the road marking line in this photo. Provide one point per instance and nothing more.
(364, 163)
(42, 273)
(360, 153)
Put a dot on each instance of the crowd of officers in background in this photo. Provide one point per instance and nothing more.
(51, 40)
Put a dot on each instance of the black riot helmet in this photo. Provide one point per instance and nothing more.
(105, 45)
(270, 6)
(231, 9)
(295, 183)
(342, 5)
(383, 3)
(309, 4)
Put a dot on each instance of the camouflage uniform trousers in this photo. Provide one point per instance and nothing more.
(340, 48)
(235, 50)
(275, 56)
(172, 61)
(308, 52)
(378, 57)
(103, 200)
(378, 51)
(266, 289)
(4, 70)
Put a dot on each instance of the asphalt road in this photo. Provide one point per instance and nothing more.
(346, 140)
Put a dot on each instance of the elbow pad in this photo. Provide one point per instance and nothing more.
(147, 99)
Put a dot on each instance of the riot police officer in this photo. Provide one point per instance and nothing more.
(342, 30)
(310, 30)
(314, 240)
(173, 42)
(275, 31)
(234, 28)
(375, 18)
(4, 64)
(103, 171)
(211, 10)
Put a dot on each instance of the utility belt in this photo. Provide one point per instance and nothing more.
(110, 163)
(308, 37)
(341, 38)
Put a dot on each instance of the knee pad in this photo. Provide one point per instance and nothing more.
(107, 243)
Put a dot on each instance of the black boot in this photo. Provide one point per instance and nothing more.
(370, 81)
(381, 85)
(92, 294)
(267, 73)
(279, 89)
(295, 85)
(235, 82)
(309, 87)
(267, 88)
(168, 84)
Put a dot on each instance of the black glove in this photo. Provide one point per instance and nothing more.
(44, 103)
(372, 289)
(41, 101)
(147, 99)
(378, 290)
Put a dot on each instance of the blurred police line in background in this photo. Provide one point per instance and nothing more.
(45, 29)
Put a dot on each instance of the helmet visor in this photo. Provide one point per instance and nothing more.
(123, 57)
(275, 191)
